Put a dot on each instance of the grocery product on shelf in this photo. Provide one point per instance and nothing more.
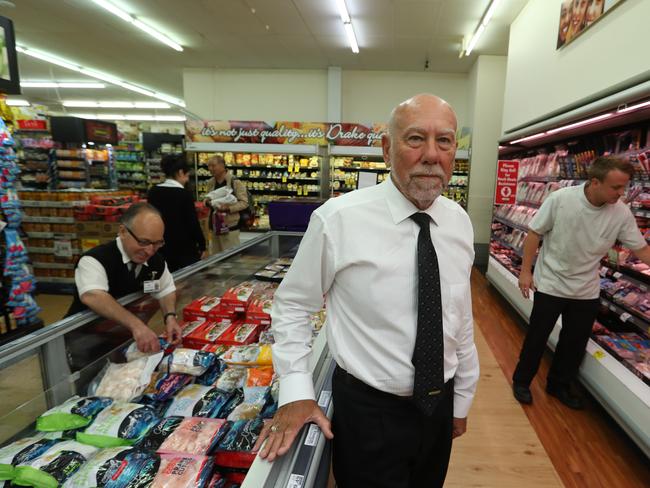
(267, 177)
(32, 149)
(131, 168)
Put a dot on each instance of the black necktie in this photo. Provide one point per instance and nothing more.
(132, 267)
(428, 355)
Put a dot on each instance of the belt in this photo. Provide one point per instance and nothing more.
(348, 379)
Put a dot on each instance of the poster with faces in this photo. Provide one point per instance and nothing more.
(576, 16)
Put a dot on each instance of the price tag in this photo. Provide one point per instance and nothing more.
(324, 398)
(312, 435)
(599, 355)
(296, 481)
(63, 247)
(617, 275)
(625, 317)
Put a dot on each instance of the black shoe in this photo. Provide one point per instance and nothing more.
(522, 394)
(565, 395)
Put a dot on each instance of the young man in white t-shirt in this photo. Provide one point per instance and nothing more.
(578, 224)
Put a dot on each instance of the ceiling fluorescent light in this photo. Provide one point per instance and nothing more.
(480, 28)
(633, 107)
(352, 39)
(15, 102)
(139, 24)
(170, 118)
(343, 11)
(580, 124)
(60, 84)
(528, 138)
(151, 105)
(132, 117)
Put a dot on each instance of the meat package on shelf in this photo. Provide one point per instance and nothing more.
(630, 348)
(186, 416)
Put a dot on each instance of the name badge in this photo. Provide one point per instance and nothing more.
(152, 286)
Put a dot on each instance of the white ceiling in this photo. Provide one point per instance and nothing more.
(392, 35)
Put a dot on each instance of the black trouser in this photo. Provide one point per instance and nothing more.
(577, 321)
(383, 441)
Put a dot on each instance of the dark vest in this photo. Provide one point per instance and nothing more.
(120, 280)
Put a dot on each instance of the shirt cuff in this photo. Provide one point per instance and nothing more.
(296, 386)
(462, 405)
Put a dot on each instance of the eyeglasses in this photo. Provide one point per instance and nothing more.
(146, 242)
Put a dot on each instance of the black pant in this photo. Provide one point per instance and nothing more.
(383, 441)
(577, 321)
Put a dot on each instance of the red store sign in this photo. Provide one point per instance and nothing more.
(24, 124)
(506, 190)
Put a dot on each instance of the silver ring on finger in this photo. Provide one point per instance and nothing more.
(274, 428)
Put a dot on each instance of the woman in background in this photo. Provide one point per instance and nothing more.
(184, 240)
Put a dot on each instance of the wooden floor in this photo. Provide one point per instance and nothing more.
(586, 447)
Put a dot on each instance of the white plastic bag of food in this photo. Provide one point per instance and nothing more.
(125, 381)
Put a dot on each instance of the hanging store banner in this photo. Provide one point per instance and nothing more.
(307, 133)
(506, 188)
(32, 124)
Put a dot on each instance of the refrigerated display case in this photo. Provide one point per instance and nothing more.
(557, 153)
(36, 374)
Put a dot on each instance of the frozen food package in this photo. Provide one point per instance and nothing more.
(246, 411)
(187, 361)
(212, 374)
(237, 397)
(250, 355)
(183, 471)
(74, 413)
(192, 435)
(163, 386)
(54, 466)
(239, 334)
(234, 450)
(121, 424)
(259, 377)
(22, 451)
(132, 352)
(198, 401)
(208, 333)
(217, 349)
(117, 467)
(125, 381)
(232, 378)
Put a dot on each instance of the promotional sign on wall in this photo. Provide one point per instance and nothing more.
(506, 188)
(253, 132)
(576, 16)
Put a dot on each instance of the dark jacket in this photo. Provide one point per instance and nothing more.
(184, 240)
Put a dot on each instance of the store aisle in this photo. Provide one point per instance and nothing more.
(587, 448)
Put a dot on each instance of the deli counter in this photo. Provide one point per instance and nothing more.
(36, 374)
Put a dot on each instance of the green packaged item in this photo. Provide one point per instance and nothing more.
(21, 451)
(53, 467)
(74, 413)
(120, 424)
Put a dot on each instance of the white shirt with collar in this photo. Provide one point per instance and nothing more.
(171, 183)
(91, 275)
(360, 253)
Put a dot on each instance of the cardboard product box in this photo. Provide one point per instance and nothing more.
(208, 308)
(189, 326)
(240, 333)
(93, 229)
(259, 310)
(208, 333)
(238, 297)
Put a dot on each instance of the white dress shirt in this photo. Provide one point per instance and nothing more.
(171, 183)
(91, 275)
(360, 253)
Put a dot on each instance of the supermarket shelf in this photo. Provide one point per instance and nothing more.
(255, 178)
(272, 166)
(131, 161)
(296, 149)
(639, 279)
(53, 203)
(284, 192)
(517, 251)
(639, 212)
(511, 224)
(373, 170)
(53, 265)
(52, 235)
(626, 315)
(49, 279)
(371, 151)
(49, 250)
(457, 186)
(52, 220)
(461, 173)
(625, 396)
(541, 179)
(125, 170)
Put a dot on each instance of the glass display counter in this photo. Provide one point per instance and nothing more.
(35, 372)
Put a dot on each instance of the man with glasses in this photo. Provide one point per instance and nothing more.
(110, 271)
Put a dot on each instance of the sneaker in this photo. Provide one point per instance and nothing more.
(565, 395)
(522, 394)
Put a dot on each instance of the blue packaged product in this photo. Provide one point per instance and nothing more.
(199, 401)
(120, 424)
(74, 413)
(21, 451)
